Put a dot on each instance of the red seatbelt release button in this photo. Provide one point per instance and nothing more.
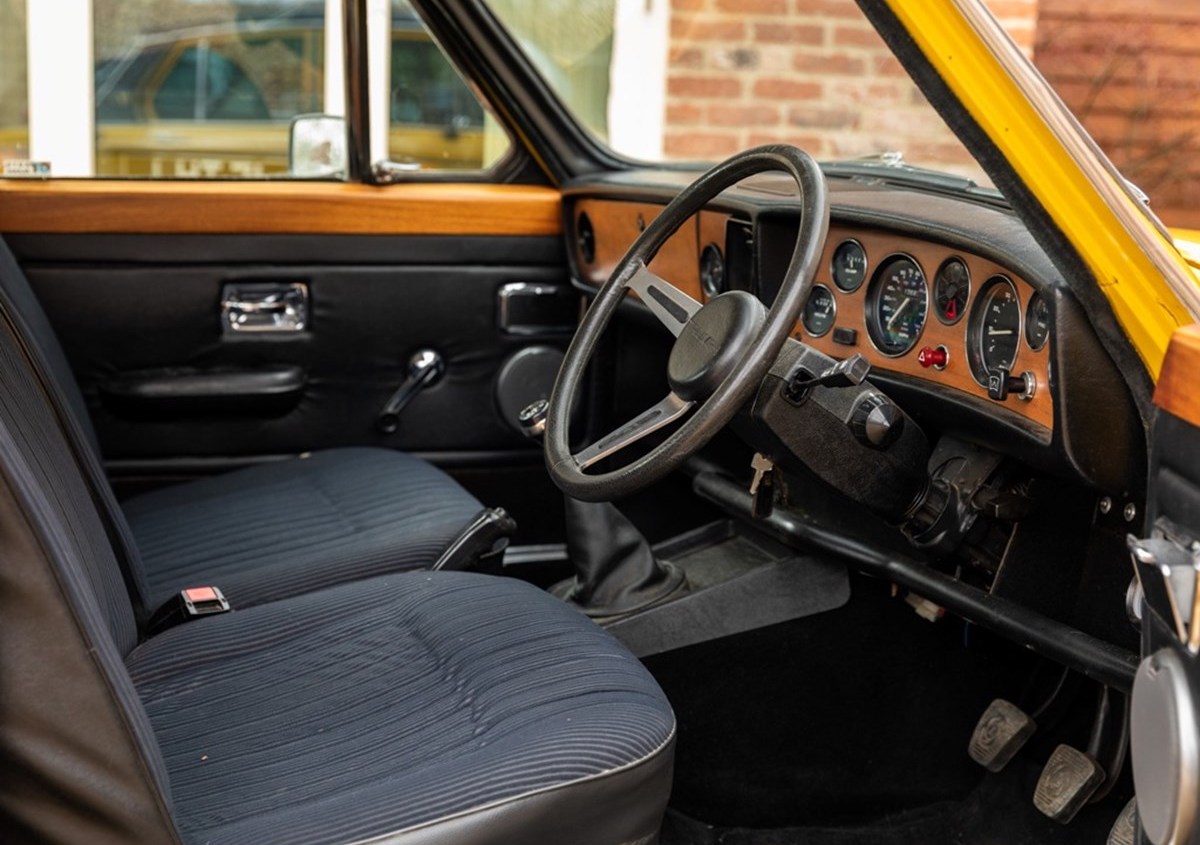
(201, 601)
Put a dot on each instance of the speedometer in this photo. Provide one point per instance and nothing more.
(994, 331)
(897, 303)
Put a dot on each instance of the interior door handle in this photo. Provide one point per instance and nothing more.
(264, 307)
(425, 368)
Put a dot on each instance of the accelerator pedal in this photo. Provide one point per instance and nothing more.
(1068, 781)
(1002, 730)
(1124, 829)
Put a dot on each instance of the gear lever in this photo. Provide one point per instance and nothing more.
(615, 571)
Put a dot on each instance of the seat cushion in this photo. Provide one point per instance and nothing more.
(443, 706)
(285, 528)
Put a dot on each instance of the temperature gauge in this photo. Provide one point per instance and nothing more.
(819, 311)
(849, 266)
(1037, 322)
(951, 287)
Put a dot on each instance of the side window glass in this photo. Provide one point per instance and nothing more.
(209, 89)
(436, 121)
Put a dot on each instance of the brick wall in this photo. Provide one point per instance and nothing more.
(820, 78)
(1131, 72)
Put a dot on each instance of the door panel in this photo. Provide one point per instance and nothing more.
(122, 320)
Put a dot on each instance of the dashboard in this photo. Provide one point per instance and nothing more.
(963, 318)
(908, 305)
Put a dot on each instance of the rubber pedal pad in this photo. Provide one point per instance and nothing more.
(1002, 730)
(1068, 781)
(1124, 829)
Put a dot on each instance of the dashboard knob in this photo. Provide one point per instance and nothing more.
(876, 422)
(1001, 383)
(532, 419)
(934, 356)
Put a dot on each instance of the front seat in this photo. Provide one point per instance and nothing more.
(269, 531)
(419, 707)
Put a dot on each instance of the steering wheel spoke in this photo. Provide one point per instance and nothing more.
(668, 303)
(663, 413)
(717, 365)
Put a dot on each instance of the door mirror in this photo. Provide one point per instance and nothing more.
(317, 147)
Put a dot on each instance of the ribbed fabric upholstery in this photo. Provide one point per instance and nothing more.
(258, 534)
(383, 704)
(284, 528)
(32, 426)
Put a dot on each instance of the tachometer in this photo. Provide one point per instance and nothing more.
(819, 311)
(849, 266)
(951, 286)
(1037, 322)
(897, 303)
(994, 332)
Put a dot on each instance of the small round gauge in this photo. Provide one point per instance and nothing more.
(849, 266)
(819, 311)
(994, 332)
(1037, 322)
(897, 303)
(951, 286)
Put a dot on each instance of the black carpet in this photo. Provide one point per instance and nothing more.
(843, 718)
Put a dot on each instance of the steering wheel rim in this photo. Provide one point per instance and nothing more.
(669, 304)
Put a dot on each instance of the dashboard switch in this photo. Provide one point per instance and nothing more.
(876, 422)
(845, 336)
(1002, 384)
(934, 356)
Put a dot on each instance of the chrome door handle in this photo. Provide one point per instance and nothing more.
(425, 368)
(264, 307)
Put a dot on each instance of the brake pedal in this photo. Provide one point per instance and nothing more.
(1068, 781)
(1002, 730)
(1124, 829)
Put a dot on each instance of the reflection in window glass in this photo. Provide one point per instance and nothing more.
(208, 89)
(436, 120)
(14, 102)
(203, 88)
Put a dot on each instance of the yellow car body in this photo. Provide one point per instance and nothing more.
(1129, 256)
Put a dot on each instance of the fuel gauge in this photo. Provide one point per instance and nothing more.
(819, 311)
(951, 287)
(1037, 322)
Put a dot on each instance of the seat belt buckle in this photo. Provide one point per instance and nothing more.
(203, 601)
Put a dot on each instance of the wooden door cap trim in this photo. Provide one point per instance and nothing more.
(110, 206)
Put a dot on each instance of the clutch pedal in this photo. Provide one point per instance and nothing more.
(1068, 781)
(1002, 730)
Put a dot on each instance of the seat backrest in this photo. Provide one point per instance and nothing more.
(80, 760)
(31, 321)
(34, 338)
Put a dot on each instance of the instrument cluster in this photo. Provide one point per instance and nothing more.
(946, 315)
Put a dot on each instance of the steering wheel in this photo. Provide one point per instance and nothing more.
(723, 349)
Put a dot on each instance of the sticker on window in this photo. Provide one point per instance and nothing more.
(26, 168)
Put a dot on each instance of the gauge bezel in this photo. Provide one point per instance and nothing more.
(1037, 297)
(974, 335)
(871, 305)
(833, 276)
(804, 311)
(937, 311)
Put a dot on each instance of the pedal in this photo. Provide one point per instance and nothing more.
(1124, 829)
(1068, 781)
(1002, 730)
